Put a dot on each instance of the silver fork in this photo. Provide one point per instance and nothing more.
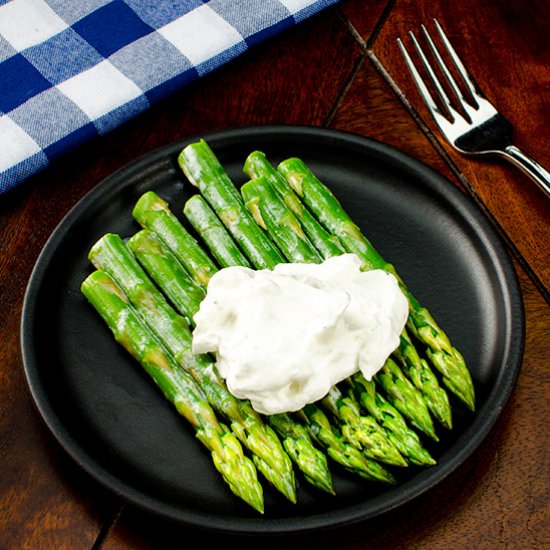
(480, 128)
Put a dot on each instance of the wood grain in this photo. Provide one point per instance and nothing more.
(369, 101)
(45, 501)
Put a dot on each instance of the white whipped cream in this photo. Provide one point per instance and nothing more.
(283, 337)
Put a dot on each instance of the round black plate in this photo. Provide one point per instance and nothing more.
(115, 423)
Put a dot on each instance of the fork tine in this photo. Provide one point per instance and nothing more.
(468, 81)
(422, 88)
(443, 66)
(435, 80)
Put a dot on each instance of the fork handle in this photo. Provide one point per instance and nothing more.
(529, 166)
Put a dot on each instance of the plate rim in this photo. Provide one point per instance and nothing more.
(486, 417)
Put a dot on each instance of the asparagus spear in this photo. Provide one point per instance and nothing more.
(339, 449)
(177, 386)
(328, 210)
(404, 438)
(421, 375)
(269, 211)
(163, 267)
(278, 221)
(256, 165)
(205, 172)
(154, 213)
(298, 444)
(404, 397)
(360, 430)
(213, 233)
(167, 273)
(111, 254)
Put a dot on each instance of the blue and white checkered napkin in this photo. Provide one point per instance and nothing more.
(74, 69)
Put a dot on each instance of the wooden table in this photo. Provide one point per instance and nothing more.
(340, 69)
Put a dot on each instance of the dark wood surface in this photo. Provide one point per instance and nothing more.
(340, 69)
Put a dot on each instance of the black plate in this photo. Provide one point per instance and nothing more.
(113, 421)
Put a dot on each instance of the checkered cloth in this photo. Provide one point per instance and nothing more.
(74, 69)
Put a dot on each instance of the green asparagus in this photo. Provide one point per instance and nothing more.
(303, 251)
(339, 449)
(154, 213)
(280, 222)
(177, 386)
(256, 165)
(404, 397)
(283, 214)
(111, 254)
(205, 172)
(421, 375)
(360, 430)
(266, 203)
(210, 228)
(328, 210)
(401, 435)
(298, 444)
(166, 271)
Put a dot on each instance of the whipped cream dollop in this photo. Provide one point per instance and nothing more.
(283, 337)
